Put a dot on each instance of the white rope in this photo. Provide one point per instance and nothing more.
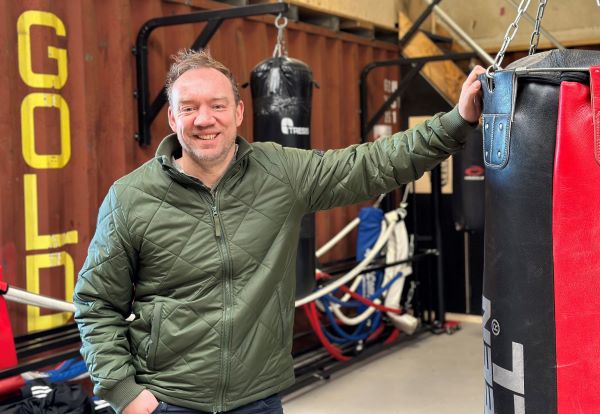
(17, 295)
(398, 248)
(394, 228)
(381, 241)
(24, 297)
(344, 232)
(336, 239)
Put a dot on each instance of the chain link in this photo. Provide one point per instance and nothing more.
(281, 23)
(535, 36)
(508, 37)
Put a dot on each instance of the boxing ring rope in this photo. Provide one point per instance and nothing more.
(17, 295)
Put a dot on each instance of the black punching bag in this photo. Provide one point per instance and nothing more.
(281, 99)
(468, 182)
(541, 300)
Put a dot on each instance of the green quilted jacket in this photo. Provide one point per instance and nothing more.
(210, 275)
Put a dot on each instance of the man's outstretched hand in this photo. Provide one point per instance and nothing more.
(469, 103)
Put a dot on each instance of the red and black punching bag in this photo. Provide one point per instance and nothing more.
(541, 293)
(281, 99)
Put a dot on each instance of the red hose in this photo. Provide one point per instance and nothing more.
(311, 313)
(368, 302)
(392, 337)
(377, 332)
(358, 297)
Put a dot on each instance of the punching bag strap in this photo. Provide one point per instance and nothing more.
(498, 101)
(595, 96)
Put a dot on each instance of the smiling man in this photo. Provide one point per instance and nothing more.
(205, 111)
(199, 243)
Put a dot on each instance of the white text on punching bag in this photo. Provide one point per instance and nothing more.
(511, 380)
(288, 128)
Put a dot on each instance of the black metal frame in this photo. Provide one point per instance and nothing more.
(416, 64)
(147, 111)
(366, 124)
(417, 23)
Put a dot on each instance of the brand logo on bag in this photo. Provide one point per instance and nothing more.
(510, 380)
(474, 173)
(288, 128)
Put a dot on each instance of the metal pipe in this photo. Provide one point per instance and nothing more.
(531, 20)
(526, 70)
(483, 55)
(436, 201)
(27, 298)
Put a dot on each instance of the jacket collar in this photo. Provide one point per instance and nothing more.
(170, 146)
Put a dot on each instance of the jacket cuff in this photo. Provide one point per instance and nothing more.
(455, 125)
(122, 393)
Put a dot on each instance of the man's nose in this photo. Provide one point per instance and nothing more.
(204, 117)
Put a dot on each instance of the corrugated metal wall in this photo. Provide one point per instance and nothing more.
(69, 116)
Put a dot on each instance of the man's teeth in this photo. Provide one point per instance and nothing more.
(207, 137)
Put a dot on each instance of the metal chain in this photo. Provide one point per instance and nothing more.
(535, 36)
(281, 23)
(508, 37)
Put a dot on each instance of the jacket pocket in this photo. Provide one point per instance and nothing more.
(154, 336)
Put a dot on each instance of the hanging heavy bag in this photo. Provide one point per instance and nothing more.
(468, 182)
(541, 125)
(281, 100)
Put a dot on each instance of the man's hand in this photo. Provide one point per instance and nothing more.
(469, 103)
(144, 403)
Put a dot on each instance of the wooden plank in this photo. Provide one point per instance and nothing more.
(298, 25)
(446, 77)
(382, 16)
(573, 23)
(340, 15)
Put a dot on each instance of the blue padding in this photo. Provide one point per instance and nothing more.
(368, 230)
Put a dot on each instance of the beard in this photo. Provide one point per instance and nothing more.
(200, 156)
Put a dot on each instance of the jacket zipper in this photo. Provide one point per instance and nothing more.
(227, 305)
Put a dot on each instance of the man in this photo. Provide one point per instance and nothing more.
(199, 244)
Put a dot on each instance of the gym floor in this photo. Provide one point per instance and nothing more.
(431, 374)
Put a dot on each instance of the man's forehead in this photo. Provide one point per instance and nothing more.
(205, 81)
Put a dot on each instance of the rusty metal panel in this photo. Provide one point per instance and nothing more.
(69, 116)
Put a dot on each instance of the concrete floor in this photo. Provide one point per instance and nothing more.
(431, 374)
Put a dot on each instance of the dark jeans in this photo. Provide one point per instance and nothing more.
(269, 405)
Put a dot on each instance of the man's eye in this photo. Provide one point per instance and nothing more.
(187, 109)
(219, 106)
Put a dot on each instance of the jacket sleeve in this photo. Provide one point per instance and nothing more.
(359, 172)
(102, 298)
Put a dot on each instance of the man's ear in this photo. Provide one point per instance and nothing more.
(239, 113)
(171, 117)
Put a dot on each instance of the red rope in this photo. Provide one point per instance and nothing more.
(366, 301)
(311, 313)
(358, 297)
(392, 337)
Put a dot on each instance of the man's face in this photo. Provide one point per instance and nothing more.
(205, 116)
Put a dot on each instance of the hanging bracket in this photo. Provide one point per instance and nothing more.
(147, 111)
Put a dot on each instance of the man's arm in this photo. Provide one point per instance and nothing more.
(358, 172)
(103, 297)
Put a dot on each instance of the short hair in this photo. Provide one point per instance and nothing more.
(188, 59)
